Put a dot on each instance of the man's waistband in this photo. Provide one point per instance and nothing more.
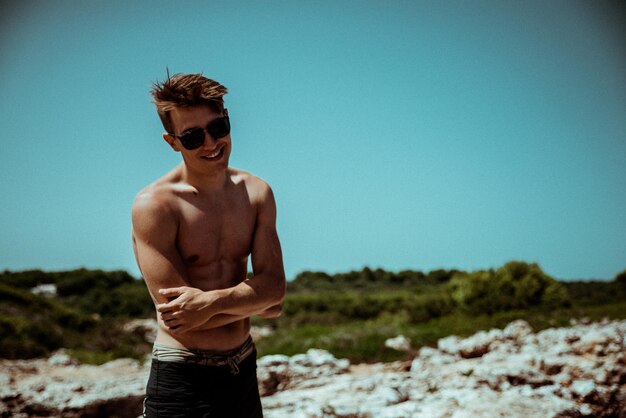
(230, 358)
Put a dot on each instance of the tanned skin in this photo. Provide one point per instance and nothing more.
(193, 231)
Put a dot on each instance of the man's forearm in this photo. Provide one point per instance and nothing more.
(272, 312)
(249, 297)
(222, 319)
(192, 308)
(219, 320)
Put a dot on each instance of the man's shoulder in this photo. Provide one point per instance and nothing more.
(256, 186)
(158, 195)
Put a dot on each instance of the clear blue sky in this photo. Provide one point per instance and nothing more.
(395, 134)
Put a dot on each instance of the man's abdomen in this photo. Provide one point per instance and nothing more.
(224, 338)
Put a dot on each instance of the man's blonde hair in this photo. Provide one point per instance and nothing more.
(186, 90)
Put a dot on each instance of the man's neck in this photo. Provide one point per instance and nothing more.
(204, 181)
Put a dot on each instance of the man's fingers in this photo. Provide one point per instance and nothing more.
(172, 294)
(168, 316)
(165, 307)
(173, 323)
(178, 327)
(173, 291)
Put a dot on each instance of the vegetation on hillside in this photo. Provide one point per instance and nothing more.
(86, 315)
(350, 314)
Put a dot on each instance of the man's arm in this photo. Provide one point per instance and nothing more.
(272, 312)
(261, 294)
(155, 226)
(265, 290)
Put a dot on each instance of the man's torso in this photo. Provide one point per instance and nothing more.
(214, 238)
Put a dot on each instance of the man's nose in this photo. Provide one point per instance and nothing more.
(208, 138)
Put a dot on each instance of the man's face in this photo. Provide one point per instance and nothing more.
(214, 152)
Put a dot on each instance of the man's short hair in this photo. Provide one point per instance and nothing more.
(186, 90)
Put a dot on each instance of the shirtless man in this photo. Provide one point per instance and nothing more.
(193, 230)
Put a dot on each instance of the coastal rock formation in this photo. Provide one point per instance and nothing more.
(60, 387)
(579, 371)
(565, 372)
(279, 372)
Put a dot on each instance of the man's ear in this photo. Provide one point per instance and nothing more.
(225, 112)
(171, 141)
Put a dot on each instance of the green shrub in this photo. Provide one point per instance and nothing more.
(24, 279)
(10, 294)
(366, 280)
(516, 285)
(82, 281)
(20, 338)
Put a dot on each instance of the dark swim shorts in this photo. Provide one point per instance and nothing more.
(202, 384)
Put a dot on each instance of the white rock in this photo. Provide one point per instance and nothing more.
(146, 327)
(61, 358)
(585, 409)
(583, 387)
(389, 395)
(401, 410)
(517, 329)
(399, 343)
(259, 333)
(449, 344)
(48, 289)
(316, 357)
(479, 344)
(273, 360)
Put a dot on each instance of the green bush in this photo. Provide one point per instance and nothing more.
(24, 279)
(19, 296)
(429, 307)
(20, 338)
(516, 285)
(82, 281)
(366, 280)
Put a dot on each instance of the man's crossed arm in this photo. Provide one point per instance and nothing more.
(194, 309)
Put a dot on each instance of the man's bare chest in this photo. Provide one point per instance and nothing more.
(219, 231)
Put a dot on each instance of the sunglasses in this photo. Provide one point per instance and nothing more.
(194, 138)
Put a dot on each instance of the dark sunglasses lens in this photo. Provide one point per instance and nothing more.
(219, 128)
(192, 139)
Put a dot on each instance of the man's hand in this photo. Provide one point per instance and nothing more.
(189, 308)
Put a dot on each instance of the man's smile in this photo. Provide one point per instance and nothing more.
(215, 155)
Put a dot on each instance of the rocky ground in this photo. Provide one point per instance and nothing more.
(579, 371)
